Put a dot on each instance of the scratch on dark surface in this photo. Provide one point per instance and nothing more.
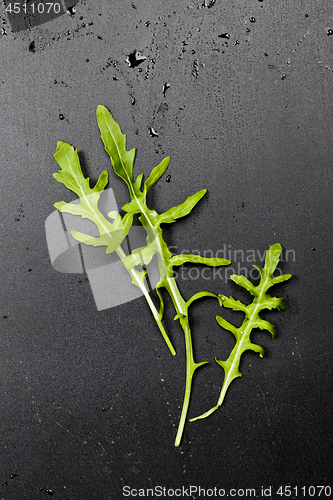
(87, 440)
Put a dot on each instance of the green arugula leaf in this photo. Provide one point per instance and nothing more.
(119, 232)
(157, 172)
(156, 245)
(262, 300)
(181, 210)
(141, 256)
(71, 174)
(194, 297)
(72, 177)
(178, 260)
(111, 234)
(115, 144)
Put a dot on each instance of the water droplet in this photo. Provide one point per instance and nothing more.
(252, 19)
(166, 86)
(61, 117)
(210, 4)
(153, 132)
(329, 32)
(135, 58)
(195, 70)
(32, 46)
(224, 35)
(71, 11)
(168, 178)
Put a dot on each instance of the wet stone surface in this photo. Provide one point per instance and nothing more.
(238, 96)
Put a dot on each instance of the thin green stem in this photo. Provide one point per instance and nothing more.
(136, 278)
(158, 320)
(101, 223)
(182, 309)
(190, 369)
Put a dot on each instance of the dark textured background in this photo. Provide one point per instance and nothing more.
(90, 401)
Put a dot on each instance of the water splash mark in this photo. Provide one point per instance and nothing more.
(153, 132)
(195, 68)
(135, 58)
(165, 87)
(224, 35)
(207, 4)
(26, 14)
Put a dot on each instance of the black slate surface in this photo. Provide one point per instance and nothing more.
(90, 400)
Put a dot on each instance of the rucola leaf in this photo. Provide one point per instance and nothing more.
(115, 144)
(178, 260)
(111, 234)
(181, 210)
(141, 256)
(252, 318)
(71, 174)
(157, 172)
(119, 232)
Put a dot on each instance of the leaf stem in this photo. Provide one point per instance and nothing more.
(158, 320)
(139, 282)
(182, 314)
(191, 366)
